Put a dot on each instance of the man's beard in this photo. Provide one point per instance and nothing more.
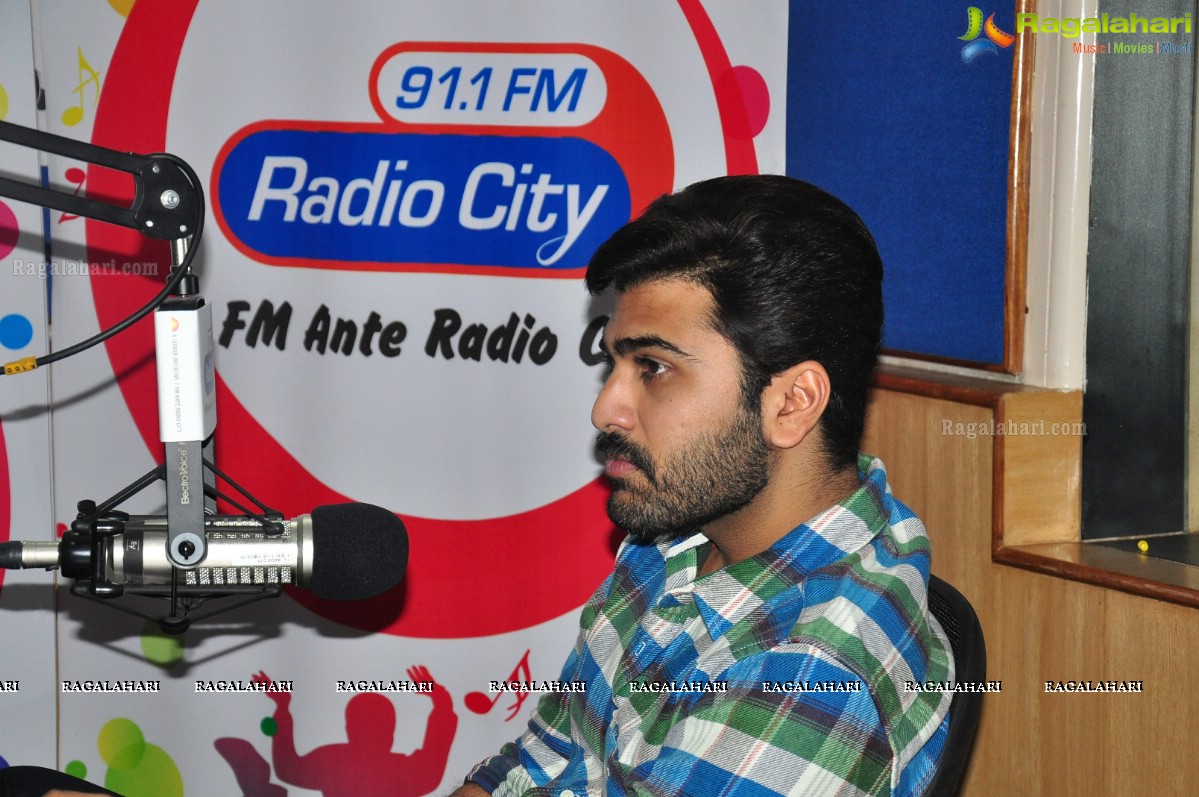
(713, 475)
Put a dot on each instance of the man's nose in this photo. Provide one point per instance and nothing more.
(613, 408)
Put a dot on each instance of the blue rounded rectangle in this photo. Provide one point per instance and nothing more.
(381, 197)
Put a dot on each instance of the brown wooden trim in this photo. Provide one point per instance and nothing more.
(978, 391)
(1015, 296)
(998, 460)
(997, 368)
(1091, 563)
(998, 483)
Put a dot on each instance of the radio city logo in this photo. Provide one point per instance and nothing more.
(487, 159)
(976, 27)
(361, 196)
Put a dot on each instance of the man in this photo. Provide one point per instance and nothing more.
(769, 603)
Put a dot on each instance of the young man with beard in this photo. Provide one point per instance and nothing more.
(769, 603)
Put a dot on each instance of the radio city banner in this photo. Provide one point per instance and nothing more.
(402, 200)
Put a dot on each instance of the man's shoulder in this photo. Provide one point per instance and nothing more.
(879, 590)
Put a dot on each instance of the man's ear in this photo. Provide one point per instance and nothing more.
(793, 402)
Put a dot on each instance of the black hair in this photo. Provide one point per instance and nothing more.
(794, 275)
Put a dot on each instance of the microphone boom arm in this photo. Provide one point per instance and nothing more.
(166, 205)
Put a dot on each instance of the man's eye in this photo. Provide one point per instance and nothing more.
(652, 368)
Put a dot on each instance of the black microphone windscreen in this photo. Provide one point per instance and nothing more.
(358, 551)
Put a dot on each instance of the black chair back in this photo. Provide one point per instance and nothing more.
(957, 617)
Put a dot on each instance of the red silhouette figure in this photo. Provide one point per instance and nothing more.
(252, 771)
(365, 765)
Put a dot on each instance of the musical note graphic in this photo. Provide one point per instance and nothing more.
(122, 7)
(3, 102)
(74, 115)
(482, 703)
(77, 176)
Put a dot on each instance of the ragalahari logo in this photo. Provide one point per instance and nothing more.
(974, 28)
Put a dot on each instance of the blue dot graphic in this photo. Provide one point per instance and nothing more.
(15, 331)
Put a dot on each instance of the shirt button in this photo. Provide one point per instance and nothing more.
(567, 793)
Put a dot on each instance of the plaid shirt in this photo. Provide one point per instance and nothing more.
(785, 673)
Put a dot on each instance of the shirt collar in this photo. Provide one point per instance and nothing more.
(769, 579)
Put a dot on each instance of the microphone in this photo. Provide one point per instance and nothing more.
(339, 552)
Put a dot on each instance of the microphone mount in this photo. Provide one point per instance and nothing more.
(168, 204)
(96, 525)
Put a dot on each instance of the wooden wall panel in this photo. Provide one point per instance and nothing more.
(1039, 627)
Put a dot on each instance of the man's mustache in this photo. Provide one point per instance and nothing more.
(613, 444)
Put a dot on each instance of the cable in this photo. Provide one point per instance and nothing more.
(30, 363)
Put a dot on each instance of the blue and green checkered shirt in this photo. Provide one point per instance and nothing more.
(786, 673)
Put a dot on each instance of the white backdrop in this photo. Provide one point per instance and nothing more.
(570, 116)
(27, 697)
